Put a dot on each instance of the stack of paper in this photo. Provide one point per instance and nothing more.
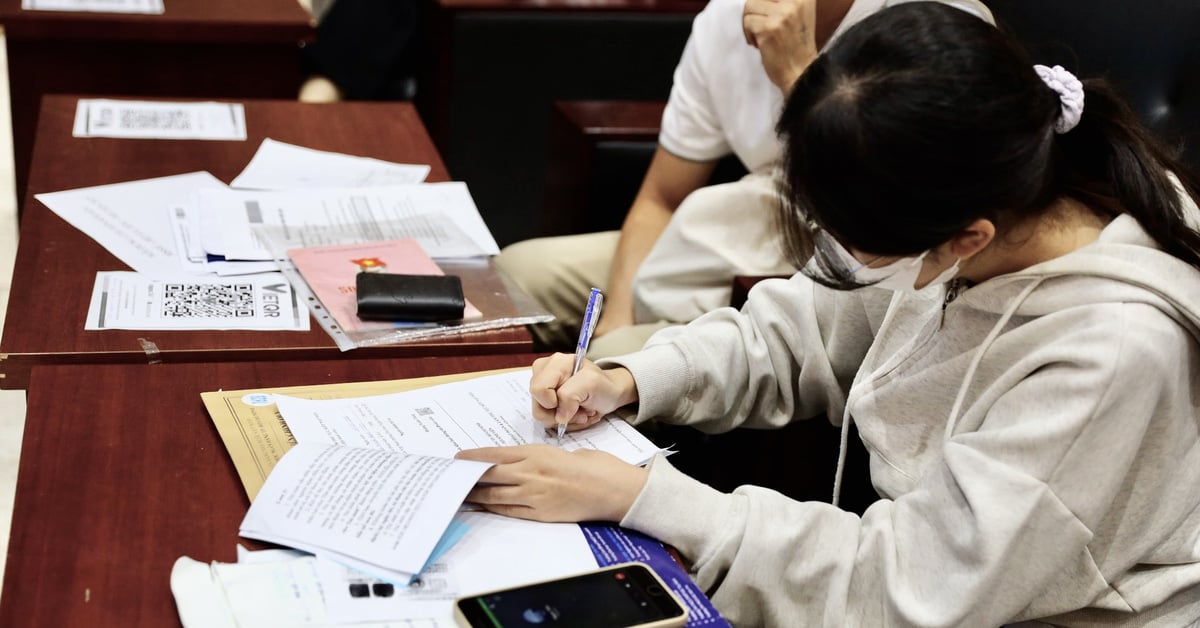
(373, 482)
(378, 511)
(290, 589)
(202, 253)
(479, 552)
(372, 485)
(283, 588)
(440, 216)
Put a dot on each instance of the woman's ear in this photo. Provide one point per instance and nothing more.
(972, 239)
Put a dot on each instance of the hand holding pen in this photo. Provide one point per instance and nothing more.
(591, 315)
(568, 390)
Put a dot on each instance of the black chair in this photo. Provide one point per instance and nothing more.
(598, 154)
(497, 65)
(1147, 49)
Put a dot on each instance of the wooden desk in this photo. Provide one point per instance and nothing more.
(109, 494)
(56, 264)
(196, 49)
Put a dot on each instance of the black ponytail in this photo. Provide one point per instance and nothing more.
(1111, 155)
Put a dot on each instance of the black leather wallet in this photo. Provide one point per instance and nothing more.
(425, 298)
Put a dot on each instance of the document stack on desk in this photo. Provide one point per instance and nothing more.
(368, 489)
(205, 256)
(372, 481)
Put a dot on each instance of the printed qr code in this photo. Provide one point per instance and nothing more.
(184, 300)
(424, 411)
(174, 120)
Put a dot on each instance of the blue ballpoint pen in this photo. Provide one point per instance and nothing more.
(591, 314)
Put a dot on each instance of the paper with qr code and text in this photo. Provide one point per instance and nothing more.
(149, 7)
(137, 119)
(125, 300)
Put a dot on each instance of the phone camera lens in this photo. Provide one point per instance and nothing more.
(654, 589)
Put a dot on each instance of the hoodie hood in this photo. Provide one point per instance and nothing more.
(1124, 265)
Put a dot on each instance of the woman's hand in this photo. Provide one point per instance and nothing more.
(784, 31)
(581, 399)
(546, 483)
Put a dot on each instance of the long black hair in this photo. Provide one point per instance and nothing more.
(923, 118)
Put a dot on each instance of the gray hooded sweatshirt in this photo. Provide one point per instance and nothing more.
(1036, 441)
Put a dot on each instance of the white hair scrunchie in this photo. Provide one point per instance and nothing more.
(1070, 94)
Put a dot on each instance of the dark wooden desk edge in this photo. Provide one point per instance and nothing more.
(291, 25)
(182, 495)
(573, 6)
(16, 368)
(215, 35)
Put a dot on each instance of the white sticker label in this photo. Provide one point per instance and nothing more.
(258, 399)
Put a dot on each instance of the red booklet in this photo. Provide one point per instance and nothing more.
(330, 272)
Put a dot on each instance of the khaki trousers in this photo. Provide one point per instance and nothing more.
(558, 272)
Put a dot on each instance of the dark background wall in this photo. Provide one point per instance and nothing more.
(495, 72)
(490, 114)
(1149, 49)
(502, 72)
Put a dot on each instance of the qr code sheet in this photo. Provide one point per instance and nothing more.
(185, 300)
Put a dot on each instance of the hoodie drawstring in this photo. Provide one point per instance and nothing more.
(841, 462)
(952, 420)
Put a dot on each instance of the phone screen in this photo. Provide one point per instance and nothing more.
(627, 595)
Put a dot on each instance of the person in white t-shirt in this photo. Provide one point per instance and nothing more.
(683, 241)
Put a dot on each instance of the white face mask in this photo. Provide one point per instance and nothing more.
(900, 275)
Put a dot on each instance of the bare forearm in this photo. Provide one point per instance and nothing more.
(668, 181)
(644, 224)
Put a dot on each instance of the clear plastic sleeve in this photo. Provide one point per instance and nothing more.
(500, 301)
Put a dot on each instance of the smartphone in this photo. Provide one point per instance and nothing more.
(629, 594)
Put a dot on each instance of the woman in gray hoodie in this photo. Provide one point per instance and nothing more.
(1004, 298)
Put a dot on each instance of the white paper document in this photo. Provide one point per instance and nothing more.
(127, 300)
(496, 552)
(133, 220)
(382, 512)
(281, 166)
(442, 217)
(151, 7)
(490, 411)
(137, 119)
(280, 592)
(186, 227)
